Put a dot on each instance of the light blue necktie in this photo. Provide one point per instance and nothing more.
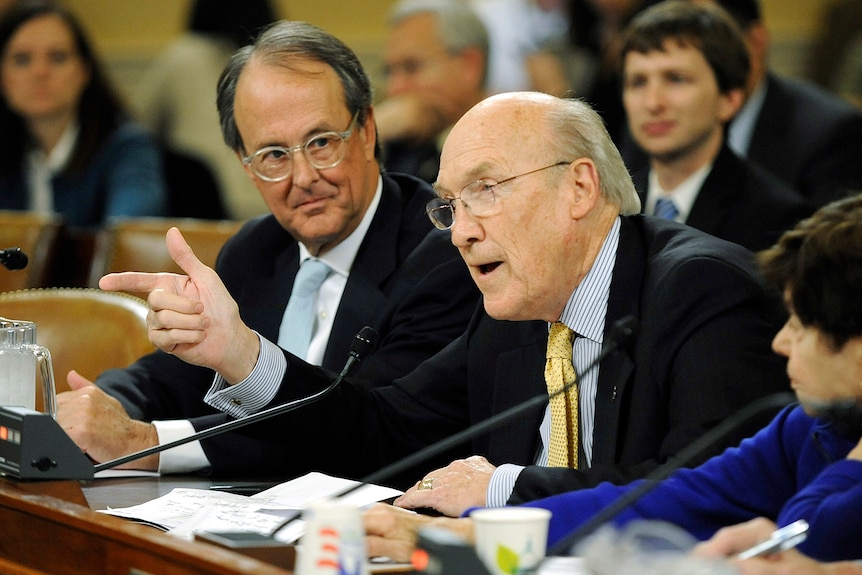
(294, 335)
(665, 208)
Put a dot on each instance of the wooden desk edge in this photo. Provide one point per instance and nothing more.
(59, 536)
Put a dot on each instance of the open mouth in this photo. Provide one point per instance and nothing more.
(488, 268)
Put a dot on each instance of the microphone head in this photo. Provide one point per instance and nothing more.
(13, 259)
(364, 342)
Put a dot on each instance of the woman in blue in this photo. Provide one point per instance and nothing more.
(806, 464)
(68, 145)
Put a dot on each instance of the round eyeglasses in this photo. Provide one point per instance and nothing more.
(325, 150)
(478, 196)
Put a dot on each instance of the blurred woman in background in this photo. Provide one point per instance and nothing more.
(68, 144)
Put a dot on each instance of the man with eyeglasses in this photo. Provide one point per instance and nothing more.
(435, 65)
(545, 215)
(296, 109)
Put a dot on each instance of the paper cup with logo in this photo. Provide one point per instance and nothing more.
(510, 539)
(334, 540)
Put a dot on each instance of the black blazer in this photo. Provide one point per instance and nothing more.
(703, 352)
(809, 138)
(740, 202)
(407, 281)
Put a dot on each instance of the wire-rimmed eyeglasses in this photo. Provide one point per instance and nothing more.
(324, 150)
(478, 196)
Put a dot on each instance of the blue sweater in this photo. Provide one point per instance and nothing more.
(124, 178)
(795, 468)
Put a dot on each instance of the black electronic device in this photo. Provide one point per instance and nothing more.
(33, 446)
(13, 259)
(441, 552)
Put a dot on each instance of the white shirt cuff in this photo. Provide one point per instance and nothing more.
(502, 484)
(184, 458)
(254, 392)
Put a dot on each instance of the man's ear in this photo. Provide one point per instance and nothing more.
(585, 191)
(474, 67)
(368, 133)
(731, 102)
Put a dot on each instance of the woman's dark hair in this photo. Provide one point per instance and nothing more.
(238, 20)
(100, 111)
(819, 265)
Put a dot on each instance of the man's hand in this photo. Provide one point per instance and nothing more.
(410, 117)
(100, 426)
(392, 532)
(193, 316)
(453, 489)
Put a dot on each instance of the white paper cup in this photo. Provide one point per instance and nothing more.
(509, 539)
(334, 540)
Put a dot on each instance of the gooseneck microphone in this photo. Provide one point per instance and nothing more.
(13, 259)
(363, 344)
(695, 449)
(620, 337)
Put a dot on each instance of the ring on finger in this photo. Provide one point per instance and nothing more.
(426, 484)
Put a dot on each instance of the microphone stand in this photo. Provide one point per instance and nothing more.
(621, 335)
(685, 455)
(364, 342)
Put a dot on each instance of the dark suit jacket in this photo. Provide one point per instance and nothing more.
(417, 159)
(740, 202)
(809, 138)
(805, 136)
(407, 281)
(703, 352)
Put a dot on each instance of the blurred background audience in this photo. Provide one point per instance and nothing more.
(435, 69)
(517, 31)
(175, 98)
(163, 57)
(68, 143)
(800, 132)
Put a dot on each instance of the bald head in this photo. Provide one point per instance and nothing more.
(534, 185)
(528, 126)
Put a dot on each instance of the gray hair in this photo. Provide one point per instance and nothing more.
(458, 26)
(579, 132)
(282, 44)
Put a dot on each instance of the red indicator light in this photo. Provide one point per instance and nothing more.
(419, 559)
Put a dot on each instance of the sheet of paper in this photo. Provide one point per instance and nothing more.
(311, 487)
(184, 511)
(114, 473)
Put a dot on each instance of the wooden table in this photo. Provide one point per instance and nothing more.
(49, 527)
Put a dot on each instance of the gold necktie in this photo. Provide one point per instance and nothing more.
(559, 371)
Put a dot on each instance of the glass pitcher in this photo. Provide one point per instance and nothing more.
(19, 356)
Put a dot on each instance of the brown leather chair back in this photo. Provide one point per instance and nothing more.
(36, 234)
(138, 244)
(88, 330)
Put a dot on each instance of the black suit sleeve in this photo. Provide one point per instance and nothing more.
(430, 306)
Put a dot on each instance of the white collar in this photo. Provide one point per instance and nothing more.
(683, 196)
(59, 157)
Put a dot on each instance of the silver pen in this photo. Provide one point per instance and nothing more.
(782, 539)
